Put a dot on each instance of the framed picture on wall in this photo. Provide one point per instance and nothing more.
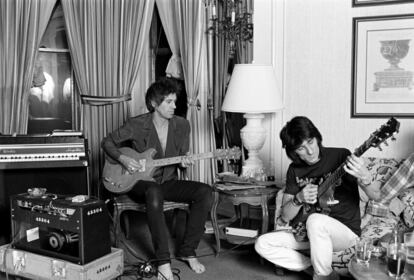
(359, 3)
(383, 66)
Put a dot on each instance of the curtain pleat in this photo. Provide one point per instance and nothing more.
(210, 99)
(22, 24)
(106, 40)
(189, 15)
(218, 57)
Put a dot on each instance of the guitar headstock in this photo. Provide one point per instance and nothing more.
(228, 154)
(387, 130)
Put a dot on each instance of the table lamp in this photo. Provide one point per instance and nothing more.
(252, 90)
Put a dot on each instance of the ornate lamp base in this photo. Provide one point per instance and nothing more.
(253, 136)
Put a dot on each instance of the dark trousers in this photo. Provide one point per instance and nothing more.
(197, 194)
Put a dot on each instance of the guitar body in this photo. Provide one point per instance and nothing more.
(299, 222)
(117, 179)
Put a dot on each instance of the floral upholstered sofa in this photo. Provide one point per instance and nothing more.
(400, 210)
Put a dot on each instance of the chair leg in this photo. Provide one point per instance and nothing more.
(179, 225)
(117, 227)
(126, 225)
(214, 222)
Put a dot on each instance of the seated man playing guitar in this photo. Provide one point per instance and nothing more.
(332, 218)
(169, 135)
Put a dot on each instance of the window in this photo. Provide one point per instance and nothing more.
(53, 102)
(160, 56)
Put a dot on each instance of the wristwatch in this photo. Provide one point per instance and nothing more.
(363, 183)
(296, 201)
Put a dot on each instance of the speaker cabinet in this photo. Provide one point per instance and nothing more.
(59, 180)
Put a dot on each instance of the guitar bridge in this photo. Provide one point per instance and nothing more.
(109, 180)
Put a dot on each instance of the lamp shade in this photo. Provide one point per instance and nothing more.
(252, 89)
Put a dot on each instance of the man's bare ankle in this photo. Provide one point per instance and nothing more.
(195, 265)
(165, 272)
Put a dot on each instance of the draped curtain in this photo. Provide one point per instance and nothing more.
(167, 15)
(22, 24)
(190, 20)
(106, 40)
(210, 87)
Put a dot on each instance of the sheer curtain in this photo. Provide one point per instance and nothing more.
(220, 64)
(22, 24)
(191, 26)
(210, 86)
(106, 40)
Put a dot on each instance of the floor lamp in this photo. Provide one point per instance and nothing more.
(253, 90)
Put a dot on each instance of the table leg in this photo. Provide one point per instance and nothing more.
(117, 226)
(265, 214)
(213, 214)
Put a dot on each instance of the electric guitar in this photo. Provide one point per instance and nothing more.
(117, 179)
(327, 188)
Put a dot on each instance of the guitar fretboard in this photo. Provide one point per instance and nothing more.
(174, 160)
(339, 172)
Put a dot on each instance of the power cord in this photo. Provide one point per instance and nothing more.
(147, 269)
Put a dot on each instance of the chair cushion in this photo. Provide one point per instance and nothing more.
(407, 216)
(382, 168)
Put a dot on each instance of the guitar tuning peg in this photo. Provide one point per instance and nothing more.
(379, 148)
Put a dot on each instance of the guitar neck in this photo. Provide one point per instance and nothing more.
(178, 159)
(339, 172)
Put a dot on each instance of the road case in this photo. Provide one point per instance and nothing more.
(34, 266)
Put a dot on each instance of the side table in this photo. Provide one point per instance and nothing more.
(251, 195)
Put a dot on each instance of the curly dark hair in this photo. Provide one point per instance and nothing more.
(158, 91)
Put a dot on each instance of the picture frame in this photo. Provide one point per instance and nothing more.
(363, 3)
(382, 66)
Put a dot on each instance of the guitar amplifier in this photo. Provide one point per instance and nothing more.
(71, 228)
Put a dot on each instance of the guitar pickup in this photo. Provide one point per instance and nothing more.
(142, 162)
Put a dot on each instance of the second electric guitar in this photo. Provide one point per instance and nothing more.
(327, 188)
(117, 179)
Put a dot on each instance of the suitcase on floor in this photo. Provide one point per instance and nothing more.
(34, 266)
